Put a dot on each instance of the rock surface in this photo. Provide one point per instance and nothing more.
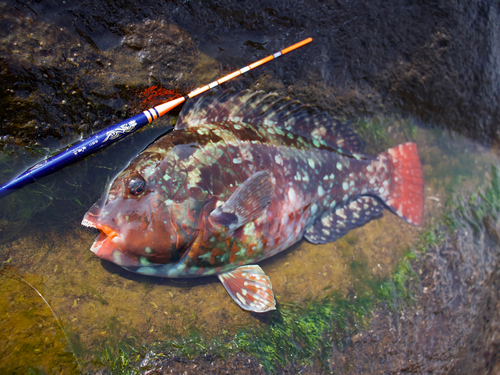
(439, 61)
(452, 327)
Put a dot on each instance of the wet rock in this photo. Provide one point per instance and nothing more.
(165, 52)
(55, 82)
(452, 326)
(438, 61)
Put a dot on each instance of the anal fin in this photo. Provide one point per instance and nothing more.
(250, 288)
(355, 214)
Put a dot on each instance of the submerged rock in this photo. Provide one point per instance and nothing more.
(450, 328)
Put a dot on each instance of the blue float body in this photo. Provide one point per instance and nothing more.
(76, 153)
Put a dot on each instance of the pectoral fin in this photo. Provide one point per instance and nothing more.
(250, 288)
(246, 204)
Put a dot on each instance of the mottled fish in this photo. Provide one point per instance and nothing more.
(241, 178)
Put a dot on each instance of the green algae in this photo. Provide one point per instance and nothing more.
(373, 132)
(479, 208)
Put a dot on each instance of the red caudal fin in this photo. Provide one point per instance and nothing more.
(407, 198)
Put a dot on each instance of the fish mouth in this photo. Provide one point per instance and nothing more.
(105, 245)
(106, 235)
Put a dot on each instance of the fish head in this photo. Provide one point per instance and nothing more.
(138, 222)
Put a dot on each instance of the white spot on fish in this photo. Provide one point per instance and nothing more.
(240, 297)
(284, 220)
(117, 258)
(326, 222)
(146, 271)
(311, 163)
(339, 166)
(144, 261)
(278, 159)
(237, 160)
(249, 229)
(341, 214)
(320, 191)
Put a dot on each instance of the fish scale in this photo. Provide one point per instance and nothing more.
(241, 178)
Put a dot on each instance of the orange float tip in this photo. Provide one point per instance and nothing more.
(296, 45)
(165, 107)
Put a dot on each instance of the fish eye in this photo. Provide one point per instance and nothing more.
(136, 184)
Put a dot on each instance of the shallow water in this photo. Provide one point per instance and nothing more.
(103, 306)
(99, 303)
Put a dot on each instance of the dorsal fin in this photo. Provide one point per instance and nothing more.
(270, 110)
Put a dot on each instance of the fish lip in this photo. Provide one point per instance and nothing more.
(106, 233)
(108, 244)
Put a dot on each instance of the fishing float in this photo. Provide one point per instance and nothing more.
(114, 133)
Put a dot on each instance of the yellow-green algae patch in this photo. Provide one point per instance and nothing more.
(31, 339)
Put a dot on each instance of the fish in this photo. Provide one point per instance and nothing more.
(240, 178)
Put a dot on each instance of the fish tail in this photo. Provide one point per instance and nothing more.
(407, 197)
